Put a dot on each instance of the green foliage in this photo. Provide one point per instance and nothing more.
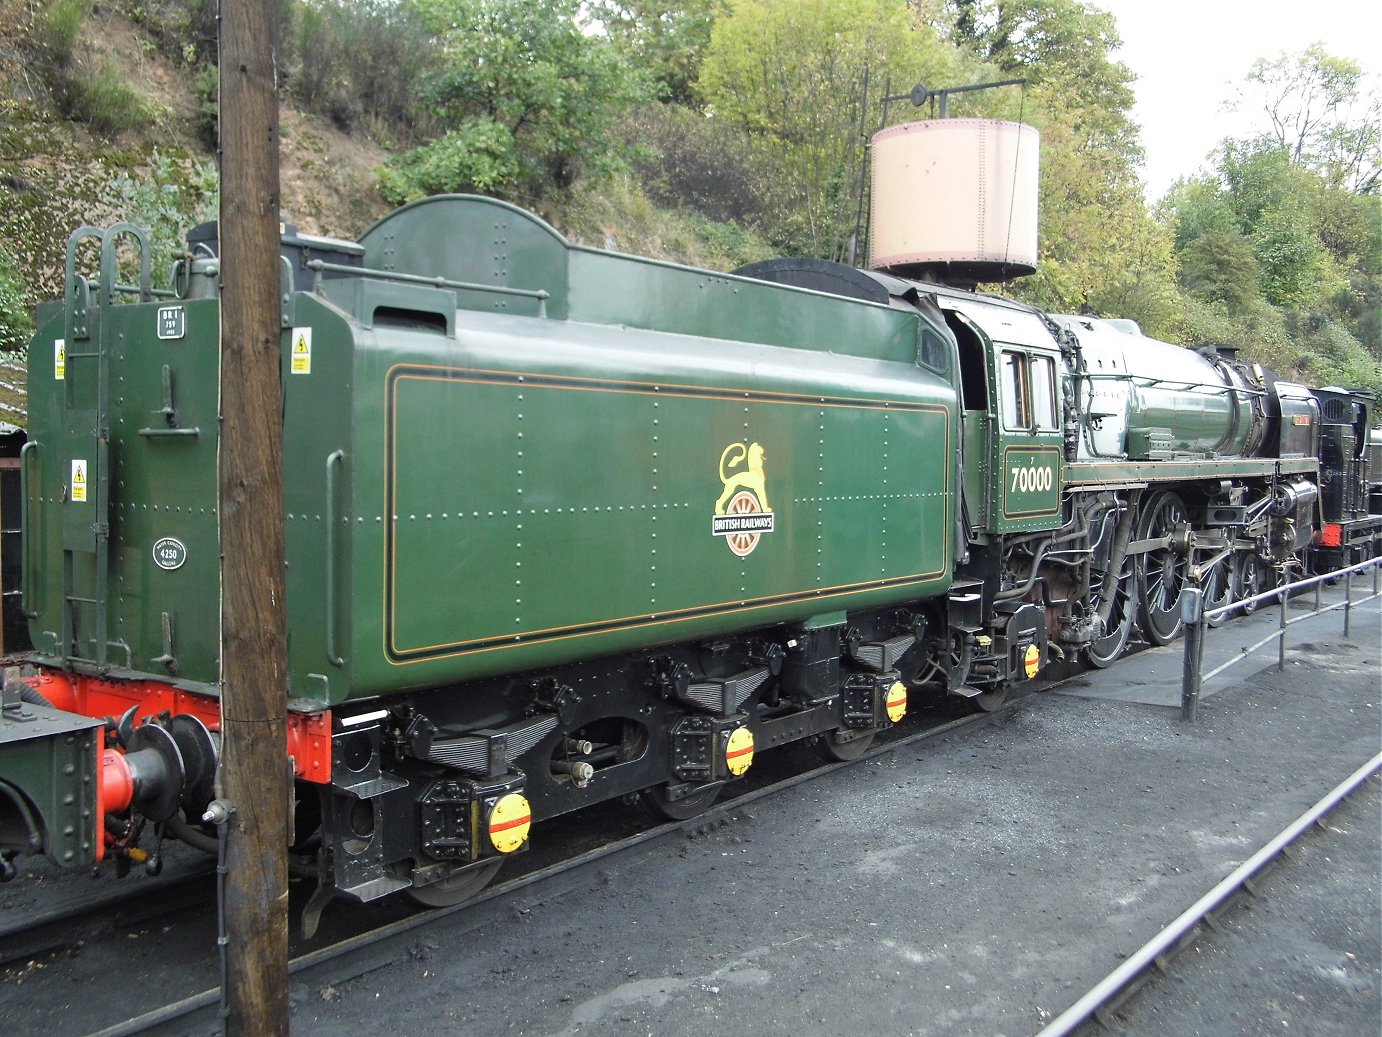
(360, 62)
(791, 76)
(185, 30)
(1331, 355)
(1063, 47)
(56, 34)
(1099, 248)
(207, 87)
(1273, 248)
(620, 216)
(104, 100)
(16, 320)
(526, 67)
(1221, 266)
(1319, 117)
(1196, 207)
(668, 41)
(479, 155)
(1297, 272)
(165, 200)
(94, 93)
(686, 159)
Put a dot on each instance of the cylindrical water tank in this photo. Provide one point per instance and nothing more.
(955, 194)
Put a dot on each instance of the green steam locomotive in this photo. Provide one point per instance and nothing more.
(564, 525)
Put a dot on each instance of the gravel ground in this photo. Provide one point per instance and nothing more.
(976, 886)
(1300, 957)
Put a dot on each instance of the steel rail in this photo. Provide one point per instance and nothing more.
(133, 893)
(1120, 978)
(312, 959)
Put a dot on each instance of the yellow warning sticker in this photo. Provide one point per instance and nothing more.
(1031, 660)
(509, 822)
(739, 751)
(60, 359)
(302, 351)
(78, 480)
(896, 702)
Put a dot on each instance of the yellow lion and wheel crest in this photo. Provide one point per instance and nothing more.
(742, 514)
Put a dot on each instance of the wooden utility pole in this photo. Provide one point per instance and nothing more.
(254, 776)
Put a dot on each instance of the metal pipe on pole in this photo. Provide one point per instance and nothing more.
(254, 780)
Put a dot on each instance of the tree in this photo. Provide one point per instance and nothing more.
(667, 41)
(1280, 249)
(1065, 46)
(1319, 115)
(792, 76)
(529, 101)
(1221, 266)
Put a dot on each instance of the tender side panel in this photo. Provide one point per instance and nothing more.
(320, 465)
(572, 511)
(662, 297)
(533, 515)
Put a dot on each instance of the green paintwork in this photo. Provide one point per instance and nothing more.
(49, 766)
(1029, 481)
(161, 484)
(1130, 473)
(1013, 500)
(976, 467)
(1202, 418)
(482, 483)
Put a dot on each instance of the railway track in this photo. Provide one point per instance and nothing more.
(1140, 968)
(66, 925)
(359, 941)
(64, 931)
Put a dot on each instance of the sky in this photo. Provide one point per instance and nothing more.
(1190, 55)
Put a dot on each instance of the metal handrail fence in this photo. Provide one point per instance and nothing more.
(1197, 619)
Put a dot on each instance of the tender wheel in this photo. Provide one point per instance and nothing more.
(683, 809)
(1162, 572)
(830, 749)
(459, 888)
(990, 701)
(1104, 651)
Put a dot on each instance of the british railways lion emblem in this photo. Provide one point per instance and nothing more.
(742, 514)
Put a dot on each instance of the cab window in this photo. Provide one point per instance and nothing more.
(1043, 372)
(1017, 413)
(934, 351)
(1029, 392)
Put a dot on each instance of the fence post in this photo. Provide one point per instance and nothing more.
(1281, 635)
(1191, 613)
(1348, 601)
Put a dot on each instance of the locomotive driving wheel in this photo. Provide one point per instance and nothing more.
(1162, 571)
(1218, 588)
(1104, 651)
(1253, 574)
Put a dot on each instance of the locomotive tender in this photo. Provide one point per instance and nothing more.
(564, 525)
